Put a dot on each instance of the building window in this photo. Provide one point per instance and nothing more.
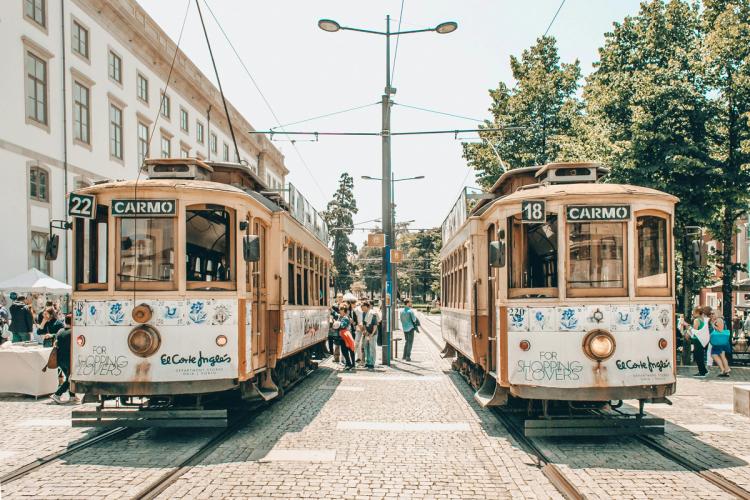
(115, 131)
(166, 147)
(184, 125)
(141, 84)
(115, 67)
(81, 113)
(36, 10)
(212, 142)
(225, 156)
(38, 249)
(166, 106)
(184, 152)
(80, 40)
(142, 142)
(38, 184)
(36, 88)
(199, 132)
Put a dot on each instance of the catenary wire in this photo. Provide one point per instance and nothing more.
(398, 37)
(262, 95)
(334, 113)
(477, 120)
(554, 17)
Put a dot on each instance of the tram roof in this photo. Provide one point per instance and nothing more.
(552, 191)
(162, 183)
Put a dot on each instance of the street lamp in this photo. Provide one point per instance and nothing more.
(332, 26)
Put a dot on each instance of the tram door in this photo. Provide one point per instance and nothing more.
(491, 315)
(260, 299)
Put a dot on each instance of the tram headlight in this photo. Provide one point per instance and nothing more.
(221, 340)
(663, 343)
(524, 345)
(81, 341)
(144, 340)
(599, 345)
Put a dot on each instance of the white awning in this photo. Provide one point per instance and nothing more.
(34, 281)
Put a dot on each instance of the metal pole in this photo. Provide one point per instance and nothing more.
(387, 194)
(394, 267)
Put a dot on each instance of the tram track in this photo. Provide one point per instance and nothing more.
(566, 487)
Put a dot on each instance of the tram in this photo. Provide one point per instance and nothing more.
(193, 284)
(558, 290)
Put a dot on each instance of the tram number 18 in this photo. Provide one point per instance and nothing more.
(533, 211)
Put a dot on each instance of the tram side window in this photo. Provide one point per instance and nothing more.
(596, 257)
(208, 245)
(533, 257)
(291, 296)
(146, 253)
(91, 251)
(652, 252)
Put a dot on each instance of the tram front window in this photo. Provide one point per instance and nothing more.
(146, 250)
(652, 252)
(208, 248)
(533, 258)
(91, 251)
(596, 256)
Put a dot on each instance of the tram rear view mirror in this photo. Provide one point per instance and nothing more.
(497, 254)
(53, 243)
(251, 248)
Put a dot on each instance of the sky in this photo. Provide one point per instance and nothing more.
(305, 72)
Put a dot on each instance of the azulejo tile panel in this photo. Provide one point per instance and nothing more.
(542, 319)
(571, 319)
(617, 318)
(518, 319)
(165, 312)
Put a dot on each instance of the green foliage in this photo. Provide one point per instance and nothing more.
(370, 264)
(339, 215)
(543, 101)
(420, 273)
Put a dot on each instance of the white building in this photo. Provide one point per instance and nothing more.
(80, 97)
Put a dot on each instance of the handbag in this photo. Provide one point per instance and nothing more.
(52, 360)
(346, 336)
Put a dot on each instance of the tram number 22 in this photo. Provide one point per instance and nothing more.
(81, 205)
(533, 211)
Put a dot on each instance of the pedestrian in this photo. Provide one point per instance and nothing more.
(39, 317)
(346, 341)
(333, 334)
(698, 336)
(358, 320)
(4, 322)
(49, 326)
(720, 343)
(62, 342)
(21, 320)
(370, 334)
(409, 324)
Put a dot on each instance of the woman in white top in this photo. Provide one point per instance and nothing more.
(698, 335)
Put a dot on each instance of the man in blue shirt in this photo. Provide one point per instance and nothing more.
(409, 324)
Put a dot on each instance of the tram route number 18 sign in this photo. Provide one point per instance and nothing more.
(151, 208)
(533, 211)
(82, 205)
(589, 213)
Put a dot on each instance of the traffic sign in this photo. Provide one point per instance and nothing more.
(376, 240)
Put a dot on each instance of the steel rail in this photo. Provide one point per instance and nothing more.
(551, 471)
(119, 432)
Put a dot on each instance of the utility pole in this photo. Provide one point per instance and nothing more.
(387, 199)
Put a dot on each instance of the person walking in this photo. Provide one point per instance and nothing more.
(409, 324)
(63, 363)
(698, 335)
(370, 335)
(21, 320)
(358, 319)
(333, 334)
(720, 343)
(346, 340)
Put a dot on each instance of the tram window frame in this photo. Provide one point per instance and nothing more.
(291, 298)
(597, 291)
(653, 291)
(94, 250)
(143, 284)
(231, 264)
(518, 233)
(257, 269)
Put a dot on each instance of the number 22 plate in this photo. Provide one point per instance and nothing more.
(82, 205)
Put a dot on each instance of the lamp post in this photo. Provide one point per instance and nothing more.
(332, 26)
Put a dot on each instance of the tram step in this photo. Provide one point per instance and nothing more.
(141, 418)
(612, 426)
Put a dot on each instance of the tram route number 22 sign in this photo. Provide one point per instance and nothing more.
(533, 211)
(82, 205)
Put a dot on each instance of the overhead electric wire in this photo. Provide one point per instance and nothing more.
(325, 115)
(262, 95)
(554, 17)
(414, 132)
(477, 120)
(398, 37)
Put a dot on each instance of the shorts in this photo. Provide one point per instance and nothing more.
(716, 350)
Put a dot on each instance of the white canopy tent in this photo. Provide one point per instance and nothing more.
(34, 281)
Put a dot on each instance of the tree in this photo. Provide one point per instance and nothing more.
(543, 101)
(726, 24)
(421, 269)
(339, 215)
(647, 112)
(370, 265)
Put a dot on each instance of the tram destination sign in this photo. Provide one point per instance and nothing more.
(589, 213)
(151, 208)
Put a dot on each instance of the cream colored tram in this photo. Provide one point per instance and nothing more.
(193, 283)
(559, 287)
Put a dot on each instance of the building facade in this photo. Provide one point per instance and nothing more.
(82, 102)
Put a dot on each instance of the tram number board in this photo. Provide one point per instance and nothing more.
(151, 208)
(589, 213)
(82, 205)
(533, 211)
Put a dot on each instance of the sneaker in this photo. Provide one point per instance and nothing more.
(725, 375)
(56, 399)
(700, 375)
(74, 400)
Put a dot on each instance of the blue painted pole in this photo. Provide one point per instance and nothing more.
(389, 302)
